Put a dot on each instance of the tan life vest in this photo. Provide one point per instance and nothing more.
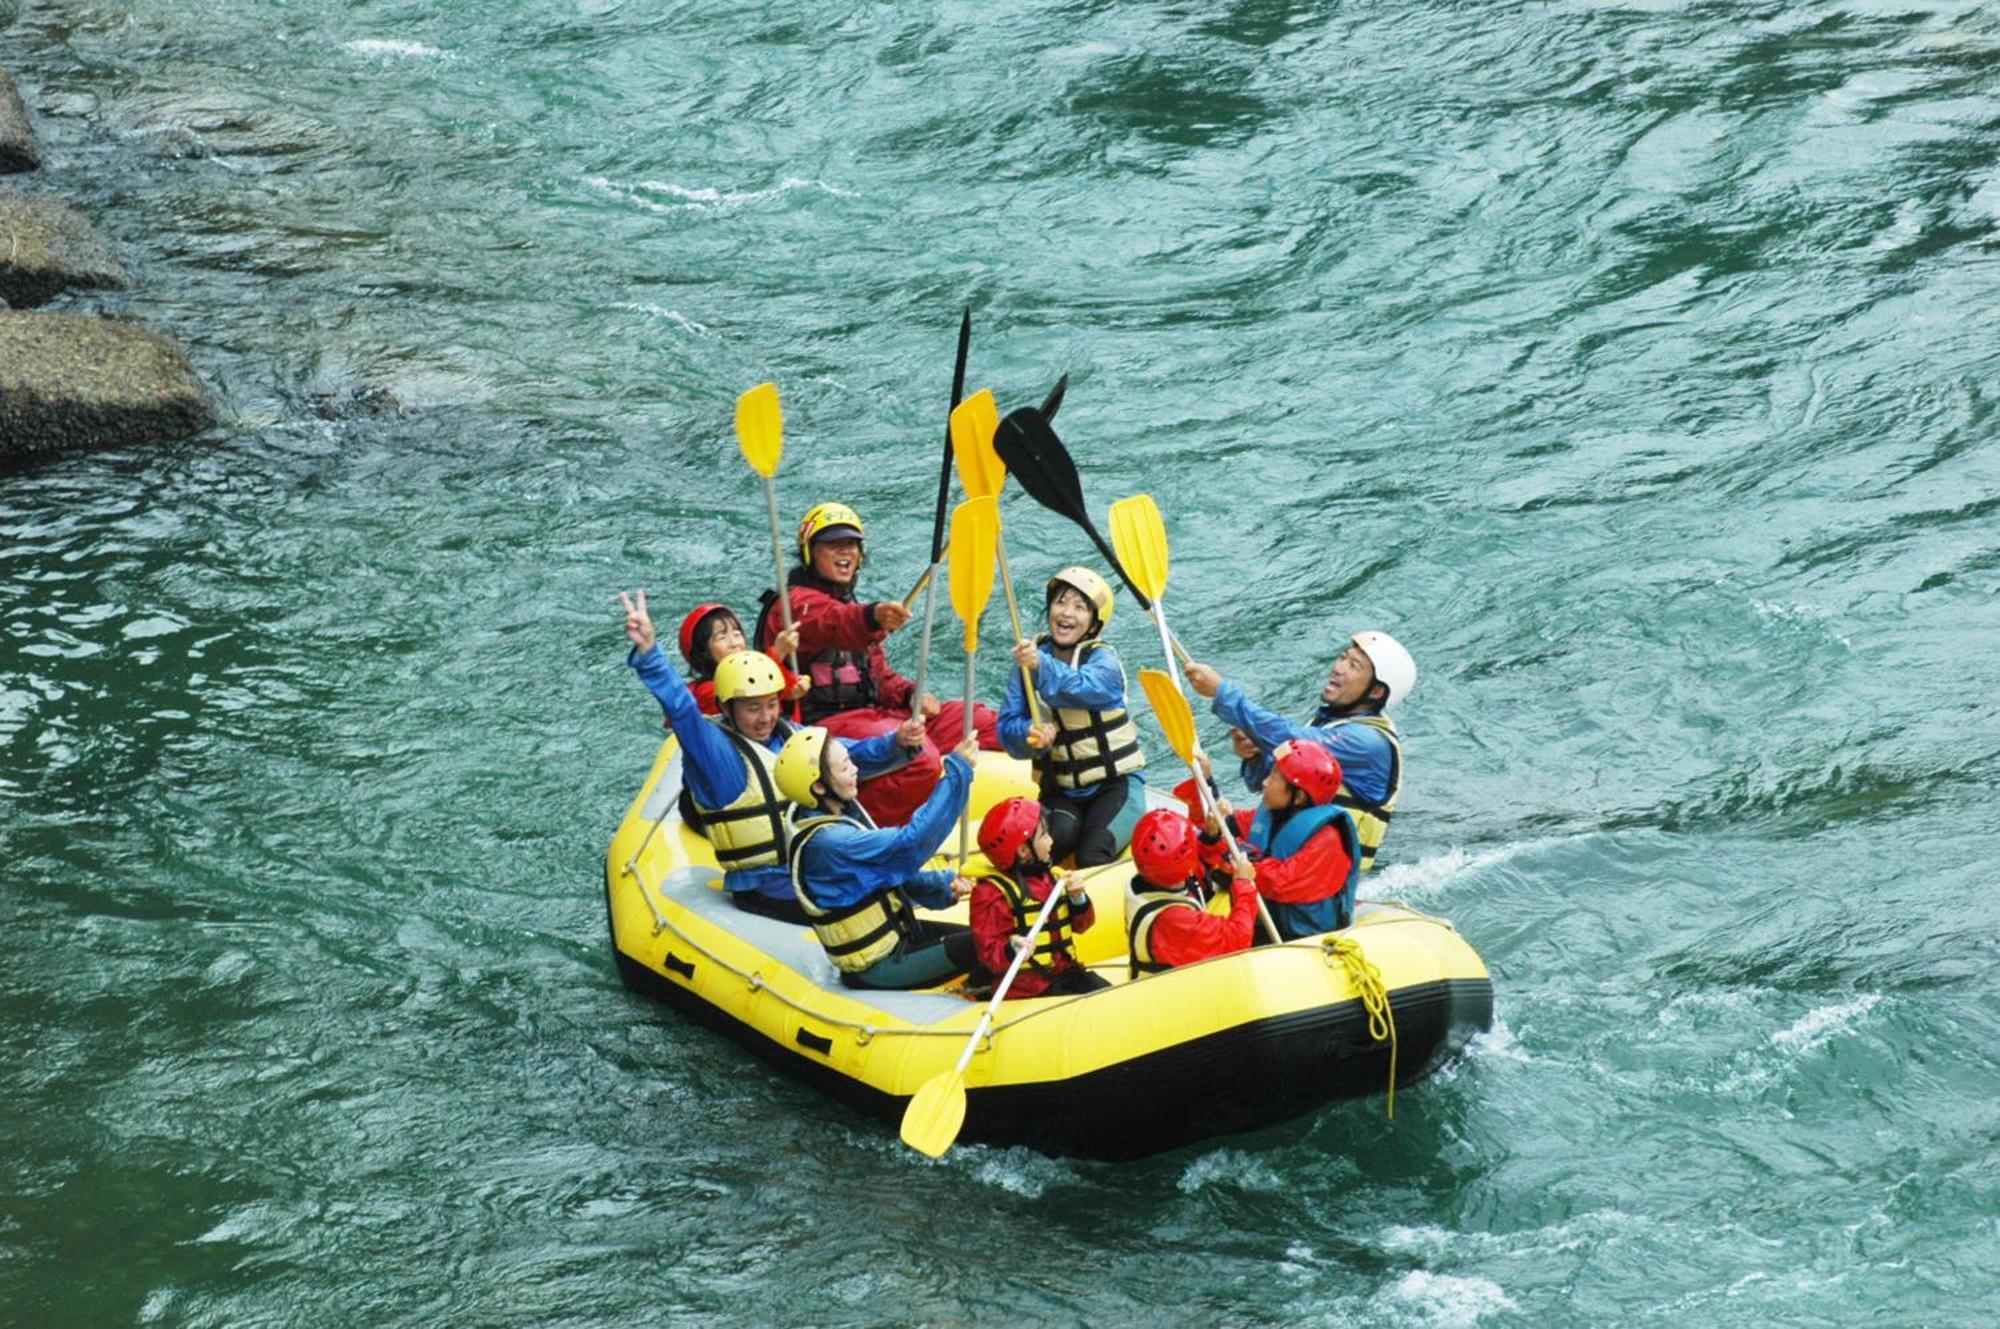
(858, 935)
(1054, 940)
(1371, 820)
(1142, 910)
(1090, 747)
(750, 831)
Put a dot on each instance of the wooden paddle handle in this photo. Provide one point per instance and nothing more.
(1014, 615)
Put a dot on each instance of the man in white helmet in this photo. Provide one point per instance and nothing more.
(1373, 673)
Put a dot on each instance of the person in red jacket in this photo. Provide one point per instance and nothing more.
(855, 694)
(1166, 923)
(1014, 836)
(1305, 847)
(711, 632)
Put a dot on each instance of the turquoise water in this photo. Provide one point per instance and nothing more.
(1631, 362)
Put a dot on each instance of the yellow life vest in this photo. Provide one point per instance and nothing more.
(1371, 820)
(1090, 747)
(750, 831)
(1142, 909)
(1054, 940)
(858, 935)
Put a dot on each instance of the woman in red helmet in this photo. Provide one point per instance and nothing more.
(712, 631)
(1165, 921)
(1015, 838)
(1304, 845)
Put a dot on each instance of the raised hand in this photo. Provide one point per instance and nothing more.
(1027, 655)
(890, 615)
(638, 623)
(786, 644)
(1203, 678)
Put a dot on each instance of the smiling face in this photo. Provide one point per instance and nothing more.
(1071, 617)
(839, 773)
(755, 717)
(837, 560)
(725, 637)
(1350, 680)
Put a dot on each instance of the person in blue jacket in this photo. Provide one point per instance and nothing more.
(729, 793)
(1373, 673)
(858, 883)
(1086, 756)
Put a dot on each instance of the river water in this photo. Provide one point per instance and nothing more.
(1633, 362)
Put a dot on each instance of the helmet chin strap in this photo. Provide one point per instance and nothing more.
(1367, 705)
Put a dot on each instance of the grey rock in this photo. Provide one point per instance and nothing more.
(47, 247)
(18, 149)
(69, 382)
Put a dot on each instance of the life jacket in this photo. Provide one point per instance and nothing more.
(1054, 942)
(1337, 909)
(841, 680)
(857, 935)
(750, 831)
(1142, 910)
(1371, 820)
(1090, 747)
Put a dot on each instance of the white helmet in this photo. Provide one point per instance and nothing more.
(1394, 668)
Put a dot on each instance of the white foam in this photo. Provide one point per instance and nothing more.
(704, 198)
(1816, 1027)
(1426, 876)
(673, 316)
(1449, 1301)
(1229, 1167)
(390, 46)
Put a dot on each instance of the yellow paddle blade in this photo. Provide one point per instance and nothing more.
(760, 428)
(1140, 539)
(975, 537)
(936, 1111)
(974, 422)
(1170, 708)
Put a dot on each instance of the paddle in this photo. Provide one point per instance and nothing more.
(937, 1109)
(1170, 708)
(928, 582)
(1050, 405)
(1043, 466)
(760, 433)
(975, 531)
(981, 472)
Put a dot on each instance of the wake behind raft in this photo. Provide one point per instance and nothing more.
(1230, 1044)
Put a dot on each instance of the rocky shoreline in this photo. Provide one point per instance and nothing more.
(74, 381)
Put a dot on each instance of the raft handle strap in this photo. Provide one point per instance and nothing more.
(1367, 981)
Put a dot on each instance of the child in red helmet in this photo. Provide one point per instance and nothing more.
(1304, 846)
(712, 631)
(1014, 836)
(1165, 922)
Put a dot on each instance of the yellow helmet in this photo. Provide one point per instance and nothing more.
(1090, 586)
(747, 674)
(798, 767)
(827, 521)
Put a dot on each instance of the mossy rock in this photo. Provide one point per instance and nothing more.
(47, 247)
(69, 382)
(19, 149)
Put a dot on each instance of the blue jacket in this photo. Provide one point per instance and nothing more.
(845, 864)
(1362, 750)
(715, 774)
(1097, 685)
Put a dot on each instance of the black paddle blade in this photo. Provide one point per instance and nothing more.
(944, 469)
(1053, 402)
(1038, 459)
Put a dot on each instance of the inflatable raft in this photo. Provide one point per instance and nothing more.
(1231, 1044)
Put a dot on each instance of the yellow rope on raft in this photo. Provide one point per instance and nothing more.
(1367, 981)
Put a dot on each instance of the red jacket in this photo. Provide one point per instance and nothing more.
(993, 922)
(830, 622)
(1317, 871)
(1182, 936)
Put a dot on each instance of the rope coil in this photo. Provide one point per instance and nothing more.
(1367, 981)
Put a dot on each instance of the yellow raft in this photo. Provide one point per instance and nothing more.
(1231, 1044)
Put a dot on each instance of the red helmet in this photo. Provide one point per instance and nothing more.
(1310, 768)
(690, 626)
(1166, 848)
(1009, 824)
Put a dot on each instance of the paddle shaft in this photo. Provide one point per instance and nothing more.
(778, 562)
(1007, 980)
(1014, 614)
(965, 817)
